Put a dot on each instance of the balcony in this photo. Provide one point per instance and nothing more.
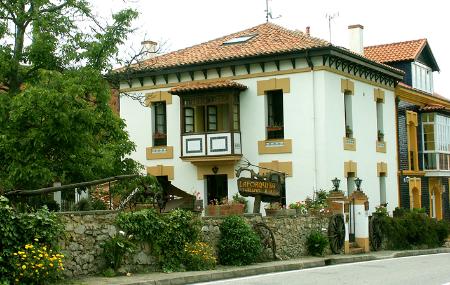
(211, 146)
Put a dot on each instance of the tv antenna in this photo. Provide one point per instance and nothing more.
(329, 18)
(269, 13)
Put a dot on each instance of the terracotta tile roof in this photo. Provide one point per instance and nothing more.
(394, 52)
(432, 108)
(266, 39)
(201, 86)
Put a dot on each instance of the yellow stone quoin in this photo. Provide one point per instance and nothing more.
(350, 167)
(158, 96)
(161, 170)
(273, 84)
(285, 167)
(347, 86)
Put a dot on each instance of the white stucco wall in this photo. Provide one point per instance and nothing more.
(313, 119)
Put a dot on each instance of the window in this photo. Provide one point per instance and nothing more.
(348, 114)
(275, 126)
(241, 39)
(413, 163)
(380, 131)
(236, 113)
(382, 189)
(189, 120)
(212, 118)
(436, 141)
(422, 77)
(160, 134)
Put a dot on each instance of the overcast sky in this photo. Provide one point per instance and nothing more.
(184, 23)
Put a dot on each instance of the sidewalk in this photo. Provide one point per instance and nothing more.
(225, 272)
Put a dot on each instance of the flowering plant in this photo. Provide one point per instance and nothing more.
(274, 206)
(300, 206)
(37, 264)
(199, 256)
(197, 195)
(116, 248)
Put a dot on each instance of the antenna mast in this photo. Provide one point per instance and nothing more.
(331, 17)
(269, 13)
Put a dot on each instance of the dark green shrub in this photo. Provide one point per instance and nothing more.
(238, 243)
(115, 249)
(316, 243)
(413, 229)
(166, 233)
(84, 204)
(98, 204)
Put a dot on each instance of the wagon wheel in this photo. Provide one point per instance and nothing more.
(336, 233)
(375, 233)
(267, 237)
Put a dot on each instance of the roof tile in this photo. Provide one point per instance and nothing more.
(394, 52)
(212, 85)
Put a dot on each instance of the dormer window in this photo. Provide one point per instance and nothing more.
(422, 77)
(237, 40)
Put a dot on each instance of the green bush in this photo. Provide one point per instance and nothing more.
(238, 243)
(115, 249)
(413, 229)
(18, 229)
(98, 204)
(316, 243)
(84, 204)
(166, 233)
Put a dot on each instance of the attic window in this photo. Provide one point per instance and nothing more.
(238, 40)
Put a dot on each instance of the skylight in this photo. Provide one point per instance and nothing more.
(238, 40)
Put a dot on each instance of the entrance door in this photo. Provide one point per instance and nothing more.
(216, 188)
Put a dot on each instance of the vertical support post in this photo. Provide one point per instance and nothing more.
(57, 195)
(257, 204)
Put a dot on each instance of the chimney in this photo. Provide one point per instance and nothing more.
(308, 30)
(356, 39)
(149, 48)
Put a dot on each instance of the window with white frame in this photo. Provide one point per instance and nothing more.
(422, 77)
(436, 141)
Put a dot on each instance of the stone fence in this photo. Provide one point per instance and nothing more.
(86, 231)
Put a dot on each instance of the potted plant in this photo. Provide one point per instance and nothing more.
(380, 136)
(273, 208)
(299, 207)
(224, 208)
(238, 199)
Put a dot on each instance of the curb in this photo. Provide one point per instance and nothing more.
(272, 267)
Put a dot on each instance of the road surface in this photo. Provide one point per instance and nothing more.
(420, 270)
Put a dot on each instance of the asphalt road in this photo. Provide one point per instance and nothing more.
(423, 270)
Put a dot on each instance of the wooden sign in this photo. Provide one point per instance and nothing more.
(255, 187)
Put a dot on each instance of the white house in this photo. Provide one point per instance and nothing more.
(278, 98)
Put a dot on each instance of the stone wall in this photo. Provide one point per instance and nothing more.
(85, 232)
(290, 232)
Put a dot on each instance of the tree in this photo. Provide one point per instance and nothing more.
(55, 121)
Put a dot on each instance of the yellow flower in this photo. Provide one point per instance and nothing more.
(36, 239)
(24, 267)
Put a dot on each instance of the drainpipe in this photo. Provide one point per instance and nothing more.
(311, 65)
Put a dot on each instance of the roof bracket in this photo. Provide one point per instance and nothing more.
(219, 71)
(277, 63)
(263, 66)
(166, 78)
(191, 74)
(247, 66)
(178, 75)
(293, 63)
(153, 79)
(205, 73)
(141, 80)
(233, 70)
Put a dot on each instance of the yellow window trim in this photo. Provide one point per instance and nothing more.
(350, 167)
(159, 152)
(347, 86)
(162, 170)
(285, 167)
(349, 143)
(158, 96)
(275, 146)
(273, 84)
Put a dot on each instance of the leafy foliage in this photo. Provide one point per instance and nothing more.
(413, 229)
(199, 256)
(36, 264)
(166, 233)
(55, 120)
(18, 229)
(115, 248)
(238, 243)
(316, 243)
